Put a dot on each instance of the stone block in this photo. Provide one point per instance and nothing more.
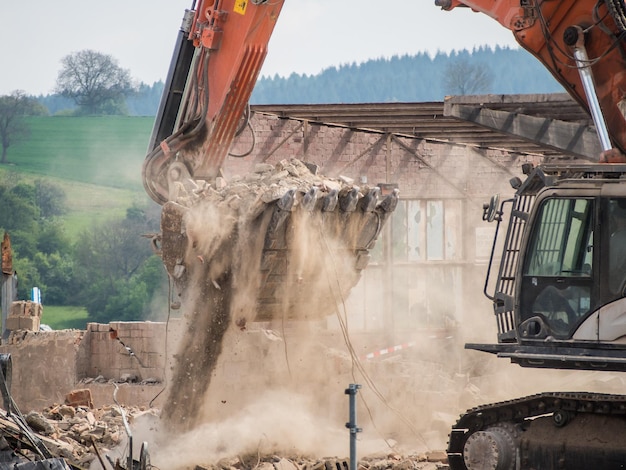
(13, 323)
(29, 323)
(33, 309)
(17, 309)
(26, 308)
(80, 397)
(154, 360)
(136, 333)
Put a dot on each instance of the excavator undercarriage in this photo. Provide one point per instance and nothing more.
(548, 431)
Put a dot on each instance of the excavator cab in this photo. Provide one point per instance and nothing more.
(557, 280)
(559, 295)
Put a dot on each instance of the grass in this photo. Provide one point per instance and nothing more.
(103, 150)
(95, 160)
(61, 318)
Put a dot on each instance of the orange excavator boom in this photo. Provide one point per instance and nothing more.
(217, 60)
(555, 31)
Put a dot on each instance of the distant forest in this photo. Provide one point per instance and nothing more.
(412, 78)
(408, 78)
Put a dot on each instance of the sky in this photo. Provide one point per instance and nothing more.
(310, 36)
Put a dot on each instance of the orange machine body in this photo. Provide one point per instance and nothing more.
(539, 26)
(225, 46)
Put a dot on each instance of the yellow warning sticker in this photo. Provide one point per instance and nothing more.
(240, 6)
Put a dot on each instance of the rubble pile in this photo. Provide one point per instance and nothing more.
(270, 182)
(73, 433)
(435, 460)
(80, 435)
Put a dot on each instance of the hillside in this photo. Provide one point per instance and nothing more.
(92, 261)
(105, 150)
(95, 160)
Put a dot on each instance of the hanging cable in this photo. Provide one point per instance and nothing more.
(356, 362)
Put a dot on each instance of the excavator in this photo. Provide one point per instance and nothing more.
(559, 291)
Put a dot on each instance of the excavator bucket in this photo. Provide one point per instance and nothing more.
(290, 243)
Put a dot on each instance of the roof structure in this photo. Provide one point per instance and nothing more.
(548, 124)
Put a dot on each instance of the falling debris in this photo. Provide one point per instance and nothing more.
(283, 243)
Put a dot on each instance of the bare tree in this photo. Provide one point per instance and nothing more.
(95, 82)
(13, 108)
(463, 77)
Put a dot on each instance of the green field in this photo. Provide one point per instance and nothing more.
(96, 160)
(61, 318)
(105, 151)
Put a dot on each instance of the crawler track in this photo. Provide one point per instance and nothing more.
(560, 408)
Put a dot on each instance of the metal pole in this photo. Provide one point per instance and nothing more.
(351, 425)
(575, 37)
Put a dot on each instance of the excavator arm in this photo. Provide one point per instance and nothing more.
(570, 37)
(283, 243)
(216, 62)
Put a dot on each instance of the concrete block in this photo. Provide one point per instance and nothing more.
(150, 330)
(34, 309)
(154, 360)
(80, 397)
(26, 308)
(136, 333)
(30, 323)
(17, 309)
(13, 323)
(148, 346)
(98, 327)
(126, 362)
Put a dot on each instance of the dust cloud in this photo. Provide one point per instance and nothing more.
(258, 371)
(266, 260)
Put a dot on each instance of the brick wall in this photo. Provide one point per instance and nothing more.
(126, 349)
(48, 365)
(422, 170)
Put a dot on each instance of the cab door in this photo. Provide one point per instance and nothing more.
(557, 290)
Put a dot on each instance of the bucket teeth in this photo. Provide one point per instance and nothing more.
(274, 237)
(330, 201)
(285, 203)
(280, 231)
(309, 199)
(390, 202)
(369, 201)
(349, 200)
